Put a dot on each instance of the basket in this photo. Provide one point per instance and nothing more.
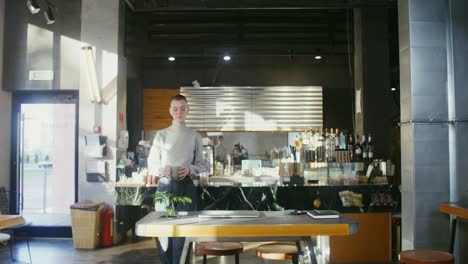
(85, 220)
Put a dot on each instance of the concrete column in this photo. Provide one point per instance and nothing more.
(458, 60)
(5, 115)
(101, 28)
(433, 64)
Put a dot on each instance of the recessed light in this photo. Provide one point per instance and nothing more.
(318, 57)
(393, 89)
(171, 59)
(227, 58)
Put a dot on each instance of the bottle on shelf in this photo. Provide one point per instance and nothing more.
(337, 140)
(364, 148)
(370, 149)
(310, 152)
(352, 154)
(331, 139)
(320, 146)
(358, 150)
(342, 140)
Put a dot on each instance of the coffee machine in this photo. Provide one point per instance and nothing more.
(239, 153)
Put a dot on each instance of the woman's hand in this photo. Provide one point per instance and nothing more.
(183, 171)
(166, 171)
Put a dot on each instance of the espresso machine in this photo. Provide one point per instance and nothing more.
(239, 153)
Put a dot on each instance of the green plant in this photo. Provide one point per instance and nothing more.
(169, 200)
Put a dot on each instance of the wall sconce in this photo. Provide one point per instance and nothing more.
(49, 15)
(33, 6)
(93, 87)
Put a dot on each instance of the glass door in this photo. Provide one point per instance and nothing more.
(46, 162)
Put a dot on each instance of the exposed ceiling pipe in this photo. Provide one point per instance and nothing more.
(153, 6)
(130, 5)
(238, 55)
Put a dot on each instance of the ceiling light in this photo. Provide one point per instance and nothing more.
(227, 58)
(171, 59)
(318, 57)
(393, 89)
(49, 16)
(33, 6)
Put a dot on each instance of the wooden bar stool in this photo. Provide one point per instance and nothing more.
(278, 251)
(220, 249)
(426, 256)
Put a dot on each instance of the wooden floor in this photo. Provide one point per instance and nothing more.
(60, 251)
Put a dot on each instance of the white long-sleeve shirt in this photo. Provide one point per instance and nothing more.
(177, 145)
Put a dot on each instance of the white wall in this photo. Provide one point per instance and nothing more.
(5, 115)
(100, 29)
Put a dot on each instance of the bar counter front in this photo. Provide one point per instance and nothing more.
(369, 205)
(268, 226)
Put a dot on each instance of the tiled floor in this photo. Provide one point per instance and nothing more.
(61, 251)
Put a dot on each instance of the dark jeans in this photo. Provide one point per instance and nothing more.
(170, 249)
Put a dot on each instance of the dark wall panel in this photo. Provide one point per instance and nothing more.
(378, 104)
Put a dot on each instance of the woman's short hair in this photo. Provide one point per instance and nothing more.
(178, 97)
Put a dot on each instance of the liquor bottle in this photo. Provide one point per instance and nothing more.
(370, 149)
(337, 140)
(324, 144)
(358, 150)
(364, 148)
(352, 156)
(320, 147)
(342, 140)
(331, 155)
(311, 149)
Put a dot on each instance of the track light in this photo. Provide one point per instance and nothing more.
(33, 6)
(49, 16)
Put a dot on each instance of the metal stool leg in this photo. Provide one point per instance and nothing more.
(11, 249)
(204, 259)
(294, 260)
(13, 240)
(29, 252)
(237, 259)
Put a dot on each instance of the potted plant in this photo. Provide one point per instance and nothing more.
(169, 200)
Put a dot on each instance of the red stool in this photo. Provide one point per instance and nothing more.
(220, 249)
(425, 256)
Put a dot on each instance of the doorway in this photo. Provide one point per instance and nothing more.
(44, 168)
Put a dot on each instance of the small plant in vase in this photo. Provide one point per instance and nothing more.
(169, 201)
